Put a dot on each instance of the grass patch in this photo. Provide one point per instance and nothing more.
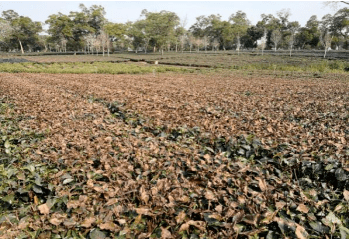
(87, 68)
(247, 61)
(323, 66)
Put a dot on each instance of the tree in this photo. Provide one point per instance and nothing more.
(283, 15)
(60, 28)
(268, 23)
(263, 41)
(182, 33)
(21, 30)
(191, 40)
(326, 39)
(72, 28)
(5, 31)
(140, 37)
(95, 17)
(103, 39)
(43, 42)
(9, 15)
(276, 38)
(198, 42)
(309, 35)
(75, 27)
(90, 40)
(240, 24)
(215, 44)
(207, 28)
(253, 33)
(200, 28)
(225, 36)
(160, 27)
(304, 37)
(291, 38)
(326, 30)
(116, 32)
(335, 4)
(340, 23)
(180, 37)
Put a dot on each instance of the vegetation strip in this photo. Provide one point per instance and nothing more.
(86, 68)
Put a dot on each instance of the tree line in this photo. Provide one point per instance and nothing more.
(89, 31)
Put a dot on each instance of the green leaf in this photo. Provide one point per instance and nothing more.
(68, 180)
(209, 149)
(10, 198)
(333, 219)
(329, 167)
(38, 179)
(37, 189)
(97, 234)
(7, 144)
(11, 172)
(317, 226)
(344, 232)
(50, 186)
(21, 176)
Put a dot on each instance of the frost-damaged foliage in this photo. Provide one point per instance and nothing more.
(24, 183)
(185, 157)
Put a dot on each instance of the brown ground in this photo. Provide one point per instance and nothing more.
(145, 172)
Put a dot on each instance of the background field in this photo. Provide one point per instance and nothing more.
(303, 62)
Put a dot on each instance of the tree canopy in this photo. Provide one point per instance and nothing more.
(89, 29)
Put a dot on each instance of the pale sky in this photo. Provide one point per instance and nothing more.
(123, 11)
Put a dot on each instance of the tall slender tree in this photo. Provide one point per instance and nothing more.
(240, 24)
(276, 37)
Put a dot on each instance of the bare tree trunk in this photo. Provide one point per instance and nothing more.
(205, 43)
(162, 51)
(176, 47)
(20, 43)
(108, 51)
(325, 52)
